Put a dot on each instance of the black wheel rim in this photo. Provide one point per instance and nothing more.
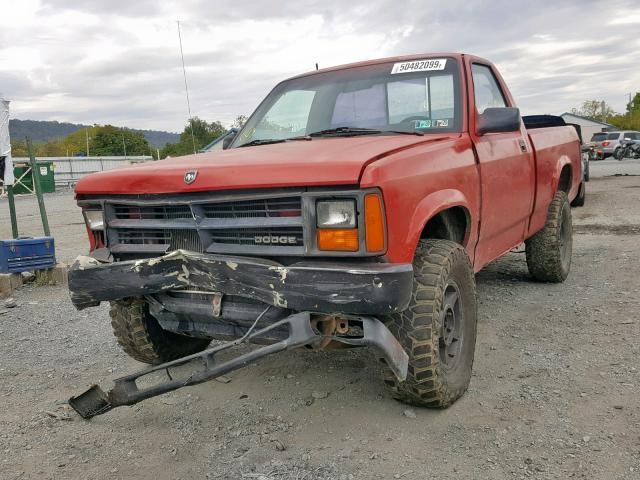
(451, 327)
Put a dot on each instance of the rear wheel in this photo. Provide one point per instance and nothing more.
(581, 197)
(586, 171)
(141, 337)
(438, 330)
(549, 250)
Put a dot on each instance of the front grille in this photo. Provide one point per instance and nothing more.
(263, 208)
(255, 226)
(175, 239)
(260, 236)
(131, 236)
(185, 240)
(135, 212)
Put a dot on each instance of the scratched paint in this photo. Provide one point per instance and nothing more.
(282, 271)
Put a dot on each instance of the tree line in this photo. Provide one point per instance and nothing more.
(600, 111)
(107, 140)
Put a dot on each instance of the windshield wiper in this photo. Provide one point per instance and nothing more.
(403, 132)
(347, 131)
(263, 141)
(268, 141)
(344, 131)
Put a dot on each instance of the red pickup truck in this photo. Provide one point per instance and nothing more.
(353, 208)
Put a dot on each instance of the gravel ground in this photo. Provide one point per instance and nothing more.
(554, 393)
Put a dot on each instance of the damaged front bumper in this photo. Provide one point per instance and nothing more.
(349, 288)
(126, 390)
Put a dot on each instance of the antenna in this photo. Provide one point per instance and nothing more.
(186, 88)
(124, 145)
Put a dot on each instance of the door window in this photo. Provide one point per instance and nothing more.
(486, 89)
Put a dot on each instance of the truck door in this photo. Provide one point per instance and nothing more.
(507, 170)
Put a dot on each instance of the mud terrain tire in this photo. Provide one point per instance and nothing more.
(549, 250)
(142, 338)
(438, 330)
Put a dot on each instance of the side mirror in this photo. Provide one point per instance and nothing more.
(226, 141)
(494, 120)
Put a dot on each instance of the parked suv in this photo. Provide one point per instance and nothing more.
(611, 146)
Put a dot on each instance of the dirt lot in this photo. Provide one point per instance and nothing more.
(555, 391)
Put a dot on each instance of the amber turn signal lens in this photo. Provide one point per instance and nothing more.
(338, 239)
(374, 223)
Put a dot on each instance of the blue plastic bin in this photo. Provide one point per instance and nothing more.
(26, 254)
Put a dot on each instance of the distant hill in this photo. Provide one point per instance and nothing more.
(43, 131)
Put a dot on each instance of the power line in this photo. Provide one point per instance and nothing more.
(186, 88)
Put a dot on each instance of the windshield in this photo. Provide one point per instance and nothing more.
(417, 97)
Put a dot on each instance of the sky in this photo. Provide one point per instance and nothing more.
(118, 61)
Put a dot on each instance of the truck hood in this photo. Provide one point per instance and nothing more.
(321, 161)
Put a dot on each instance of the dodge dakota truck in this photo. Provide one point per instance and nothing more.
(352, 209)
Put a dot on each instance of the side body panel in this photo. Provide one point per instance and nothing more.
(554, 147)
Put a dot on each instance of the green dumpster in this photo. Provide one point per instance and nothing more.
(47, 181)
(24, 183)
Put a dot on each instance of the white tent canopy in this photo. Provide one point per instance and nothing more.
(5, 141)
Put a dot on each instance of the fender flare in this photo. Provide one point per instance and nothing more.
(433, 204)
(562, 162)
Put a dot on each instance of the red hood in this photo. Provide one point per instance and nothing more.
(328, 161)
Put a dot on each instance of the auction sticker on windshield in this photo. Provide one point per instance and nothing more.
(419, 65)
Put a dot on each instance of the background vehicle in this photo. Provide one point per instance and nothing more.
(218, 143)
(598, 137)
(596, 143)
(628, 149)
(353, 207)
(611, 145)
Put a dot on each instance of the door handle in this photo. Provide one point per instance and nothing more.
(523, 145)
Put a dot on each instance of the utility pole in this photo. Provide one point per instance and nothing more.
(86, 132)
(124, 145)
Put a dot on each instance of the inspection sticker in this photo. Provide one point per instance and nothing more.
(422, 123)
(419, 65)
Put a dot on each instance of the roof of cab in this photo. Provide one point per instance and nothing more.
(404, 58)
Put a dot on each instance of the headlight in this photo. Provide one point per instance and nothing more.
(336, 213)
(94, 219)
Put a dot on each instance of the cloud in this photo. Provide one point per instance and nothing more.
(118, 61)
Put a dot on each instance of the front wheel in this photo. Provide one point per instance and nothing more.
(549, 250)
(619, 153)
(142, 338)
(438, 329)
